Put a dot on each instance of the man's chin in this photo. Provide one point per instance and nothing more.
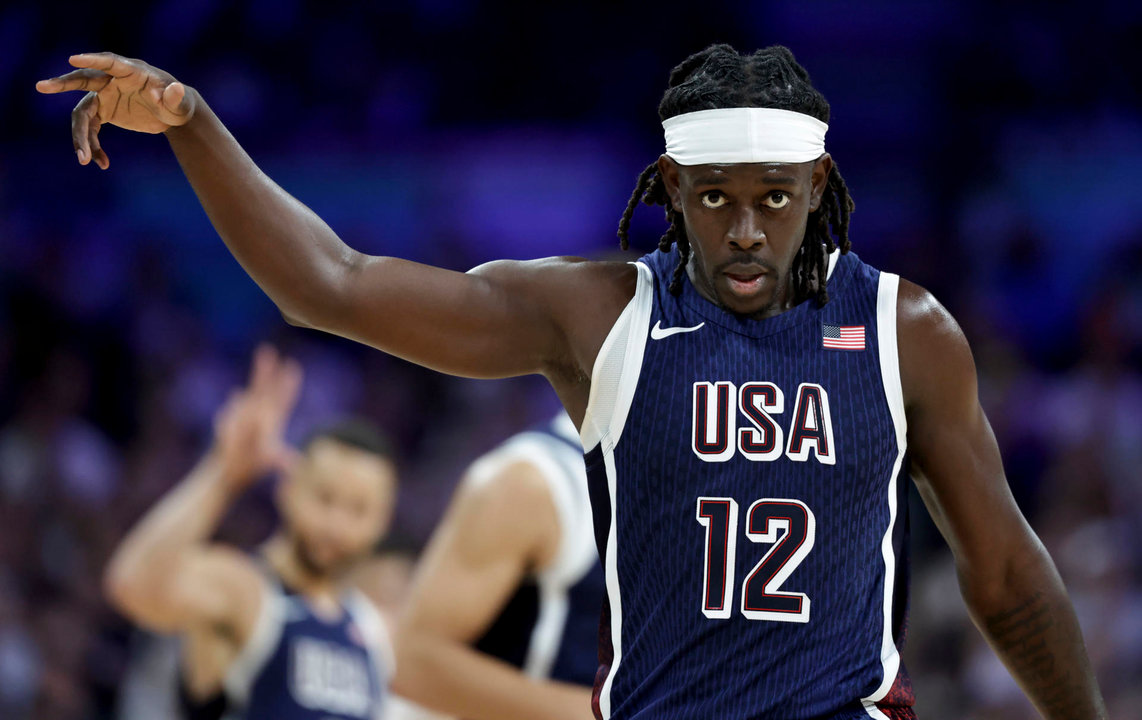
(747, 300)
(749, 306)
(316, 565)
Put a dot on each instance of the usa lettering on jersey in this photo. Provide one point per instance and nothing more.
(717, 437)
(325, 676)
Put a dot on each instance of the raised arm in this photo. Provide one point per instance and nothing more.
(508, 318)
(499, 527)
(165, 575)
(1008, 581)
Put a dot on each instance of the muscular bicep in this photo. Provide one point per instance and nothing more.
(214, 587)
(501, 319)
(484, 323)
(497, 530)
(954, 456)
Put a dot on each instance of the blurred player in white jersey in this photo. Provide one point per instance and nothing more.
(502, 619)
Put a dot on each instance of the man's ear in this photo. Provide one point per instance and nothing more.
(670, 173)
(820, 178)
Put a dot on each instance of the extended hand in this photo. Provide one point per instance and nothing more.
(121, 91)
(248, 429)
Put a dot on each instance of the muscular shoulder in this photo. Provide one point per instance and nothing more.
(233, 569)
(218, 590)
(567, 278)
(588, 311)
(936, 364)
(582, 298)
(506, 506)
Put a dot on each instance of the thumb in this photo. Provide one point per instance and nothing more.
(175, 104)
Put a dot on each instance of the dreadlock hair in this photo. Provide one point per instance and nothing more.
(720, 77)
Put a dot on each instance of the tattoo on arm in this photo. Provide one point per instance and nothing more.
(1038, 640)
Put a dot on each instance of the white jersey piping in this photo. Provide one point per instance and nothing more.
(263, 639)
(886, 299)
(606, 414)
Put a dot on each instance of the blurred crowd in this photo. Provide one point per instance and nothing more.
(992, 152)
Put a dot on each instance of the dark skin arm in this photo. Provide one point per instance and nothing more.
(501, 319)
(1007, 579)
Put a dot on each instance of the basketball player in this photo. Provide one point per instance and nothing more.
(750, 397)
(275, 635)
(502, 620)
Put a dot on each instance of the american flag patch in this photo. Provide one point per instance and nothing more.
(842, 337)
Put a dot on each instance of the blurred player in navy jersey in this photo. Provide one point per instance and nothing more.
(751, 398)
(278, 635)
(501, 621)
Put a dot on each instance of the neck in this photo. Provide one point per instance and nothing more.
(282, 557)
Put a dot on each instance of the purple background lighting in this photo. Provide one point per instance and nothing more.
(992, 149)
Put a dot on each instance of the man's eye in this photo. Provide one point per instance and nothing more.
(776, 200)
(713, 200)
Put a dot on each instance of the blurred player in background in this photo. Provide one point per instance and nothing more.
(276, 636)
(750, 364)
(502, 619)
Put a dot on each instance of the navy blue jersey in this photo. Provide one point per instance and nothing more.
(298, 665)
(746, 478)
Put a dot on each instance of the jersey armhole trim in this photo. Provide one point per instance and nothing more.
(238, 679)
(886, 312)
(889, 354)
(614, 376)
(540, 452)
(561, 469)
(834, 256)
(375, 630)
(566, 478)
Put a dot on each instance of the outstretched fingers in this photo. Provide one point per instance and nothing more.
(275, 381)
(262, 367)
(110, 63)
(75, 80)
(287, 386)
(275, 378)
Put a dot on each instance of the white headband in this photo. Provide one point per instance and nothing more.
(744, 135)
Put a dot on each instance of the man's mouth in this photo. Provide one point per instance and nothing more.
(745, 278)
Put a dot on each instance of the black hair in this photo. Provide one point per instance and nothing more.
(356, 433)
(721, 77)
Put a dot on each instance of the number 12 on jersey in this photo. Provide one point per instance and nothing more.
(787, 526)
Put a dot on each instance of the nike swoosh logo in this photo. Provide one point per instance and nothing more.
(658, 332)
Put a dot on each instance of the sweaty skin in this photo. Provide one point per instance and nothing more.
(551, 317)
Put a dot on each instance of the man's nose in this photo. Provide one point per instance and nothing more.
(746, 231)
